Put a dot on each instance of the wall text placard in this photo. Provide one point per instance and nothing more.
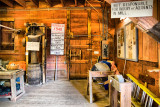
(57, 39)
(32, 46)
(132, 9)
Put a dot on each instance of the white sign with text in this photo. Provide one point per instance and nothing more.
(57, 39)
(132, 9)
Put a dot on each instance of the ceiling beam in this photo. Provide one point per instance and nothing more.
(75, 3)
(49, 2)
(85, 3)
(62, 2)
(7, 2)
(35, 2)
(21, 2)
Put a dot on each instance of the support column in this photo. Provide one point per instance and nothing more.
(27, 53)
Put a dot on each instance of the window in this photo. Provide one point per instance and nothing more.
(6, 36)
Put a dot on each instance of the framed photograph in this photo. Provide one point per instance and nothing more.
(131, 42)
(121, 43)
(105, 50)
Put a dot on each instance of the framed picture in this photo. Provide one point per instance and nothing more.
(131, 42)
(105, 50)
(121, 43)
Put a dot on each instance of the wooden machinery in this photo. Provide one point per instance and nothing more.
(35, 39)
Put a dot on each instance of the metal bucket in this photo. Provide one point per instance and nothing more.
(34, 74)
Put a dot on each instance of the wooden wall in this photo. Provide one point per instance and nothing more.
(147, 54)
(79, 26)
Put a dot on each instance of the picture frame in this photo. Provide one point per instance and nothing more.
(131, 42)
(121, 43)
(127, 42)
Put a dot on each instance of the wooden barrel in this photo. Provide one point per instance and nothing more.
(34, 74)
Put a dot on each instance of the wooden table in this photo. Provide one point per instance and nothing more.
(12, 75)
(96, 74)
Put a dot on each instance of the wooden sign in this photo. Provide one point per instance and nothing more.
(132, 9)
(32, 46)
(57, 39)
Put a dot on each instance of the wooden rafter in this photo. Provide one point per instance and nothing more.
(36, 2)
(49, 2)
(62, 2)
(85, 3)
(7, 2)
(75, 3)
(21, 2)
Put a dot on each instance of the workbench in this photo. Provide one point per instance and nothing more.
(96, 74)
(12, 75)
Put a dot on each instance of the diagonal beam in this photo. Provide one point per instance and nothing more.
(7, 2)
(62, 2)
(75, 3)
(36, 2)
(49, 2)
(21, 2)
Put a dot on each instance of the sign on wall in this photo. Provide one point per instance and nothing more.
(32, 46)
(57, 39)
(132, 9)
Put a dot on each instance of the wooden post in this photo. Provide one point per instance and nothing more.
(22, 83)
(159, 63)
(13, 88)
(90, 87)
(125, 95)
(89, 23)
(43, 57)
(113, 96)
(68, 23)
(27, 53)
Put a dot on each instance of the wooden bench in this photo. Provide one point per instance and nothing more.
(12, 75)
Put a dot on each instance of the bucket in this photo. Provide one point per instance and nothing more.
(34, 74)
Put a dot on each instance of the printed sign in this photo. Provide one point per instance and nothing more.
(132, 9)
(57, 39)
(57, 28)
(32, 46)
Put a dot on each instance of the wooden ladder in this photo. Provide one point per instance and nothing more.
(142, 100)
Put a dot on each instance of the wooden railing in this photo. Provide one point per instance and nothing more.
(147, 97)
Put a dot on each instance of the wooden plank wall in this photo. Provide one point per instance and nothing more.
(78, 27)
(148, 55)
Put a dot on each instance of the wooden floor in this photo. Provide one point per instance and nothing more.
(59, 94)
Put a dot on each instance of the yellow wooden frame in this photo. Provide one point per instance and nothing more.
(145, 89)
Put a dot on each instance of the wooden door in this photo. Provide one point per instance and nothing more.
(79, 58)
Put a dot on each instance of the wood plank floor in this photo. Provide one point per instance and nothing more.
(59, 94)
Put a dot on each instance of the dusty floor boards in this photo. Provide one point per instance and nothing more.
(59, 94)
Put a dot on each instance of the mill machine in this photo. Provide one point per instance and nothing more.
(35, 53)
